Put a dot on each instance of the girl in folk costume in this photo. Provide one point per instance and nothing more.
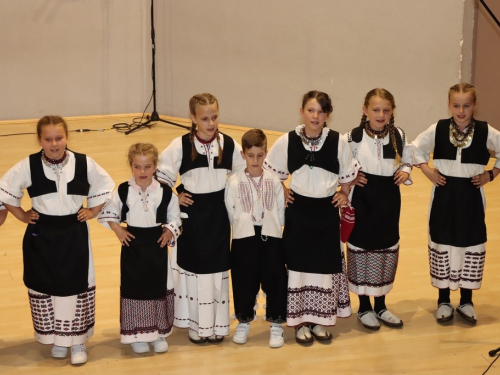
(201, 260)
(373, 247)
(58, 265)
(457, 229)
(318, 160)
(146, 291)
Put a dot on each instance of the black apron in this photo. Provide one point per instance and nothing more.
(311, 237)
(144, 265)
(378, 206)
(204, 246)
(457, 214)
(56, 255)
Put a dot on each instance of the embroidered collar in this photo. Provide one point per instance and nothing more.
(203, 142)
(154, 185)
(324, 132)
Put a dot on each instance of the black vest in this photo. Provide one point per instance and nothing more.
(161, 211)
(476, 153)
(388, 151)
(41, 185)
(326, 158)
(201, 161)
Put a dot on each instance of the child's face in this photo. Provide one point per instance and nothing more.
(53, 140)
(254, 157)
(143, 168)
(379, 112)
(314, 117)
(206, 120)
(462, 108)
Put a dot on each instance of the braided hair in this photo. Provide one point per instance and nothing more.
(463, 88)
(386, 95)
(196, 100)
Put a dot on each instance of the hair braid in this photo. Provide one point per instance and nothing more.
(392, 131)
(219, 159)
(363, 121)
(192, 132)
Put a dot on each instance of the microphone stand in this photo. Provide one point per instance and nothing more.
(154, 117)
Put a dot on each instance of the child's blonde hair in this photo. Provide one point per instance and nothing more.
(146, 149)
(463, 88)
(202, 99)
(385, 95)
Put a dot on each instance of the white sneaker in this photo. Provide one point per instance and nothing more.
(444, 312)
(276, 339)
(369, 320)
(140, 347)
(241, 334)
(78, 354)
(160, 345)
(59, 351)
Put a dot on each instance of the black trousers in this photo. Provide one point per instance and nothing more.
(259, 261)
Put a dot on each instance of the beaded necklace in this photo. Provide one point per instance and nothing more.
(258, 189)
(376, 134)
(312, 142)
(55, 164)
(460, 138)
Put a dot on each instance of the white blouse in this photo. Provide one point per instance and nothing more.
(369, 154)
(312, 182)
(142, 208)
(198, 180)
(18, 178)
(423, 145)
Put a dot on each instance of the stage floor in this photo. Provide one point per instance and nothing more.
(421, 347)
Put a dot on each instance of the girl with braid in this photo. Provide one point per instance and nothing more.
(201, 259)
(457, 230)
(373, 247)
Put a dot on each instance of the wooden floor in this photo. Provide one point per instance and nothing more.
(421, 347)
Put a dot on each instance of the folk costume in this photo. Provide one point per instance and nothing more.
(146, 288)
(457, 229)
(373, 246)
(256, 208)
(58, 264)
(317, 284)
(201, 258)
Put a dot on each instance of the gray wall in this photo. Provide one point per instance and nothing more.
(258, 57)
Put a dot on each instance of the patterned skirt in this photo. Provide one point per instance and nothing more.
(371, 272)
(317, 298)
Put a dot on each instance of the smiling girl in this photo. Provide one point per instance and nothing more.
(58, 265)
(146, 288)
(373, 247)
(203, 158)
(457, 229)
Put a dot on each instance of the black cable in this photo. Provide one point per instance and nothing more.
(490, 12)
(126, 128)
(491, 364)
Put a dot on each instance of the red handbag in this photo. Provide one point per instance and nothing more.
(346, 221)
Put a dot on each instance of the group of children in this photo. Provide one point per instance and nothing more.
(224, 185)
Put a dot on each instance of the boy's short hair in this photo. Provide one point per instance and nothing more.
(253, 138)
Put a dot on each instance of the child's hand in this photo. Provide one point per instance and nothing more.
(165, 238)
(400, 177)
(481, 179)
(124, 236)
(360, 180)
(288, 195)
(185, 199)
(433, 175)
(29, 217)
(85, 214)
(340, 199)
